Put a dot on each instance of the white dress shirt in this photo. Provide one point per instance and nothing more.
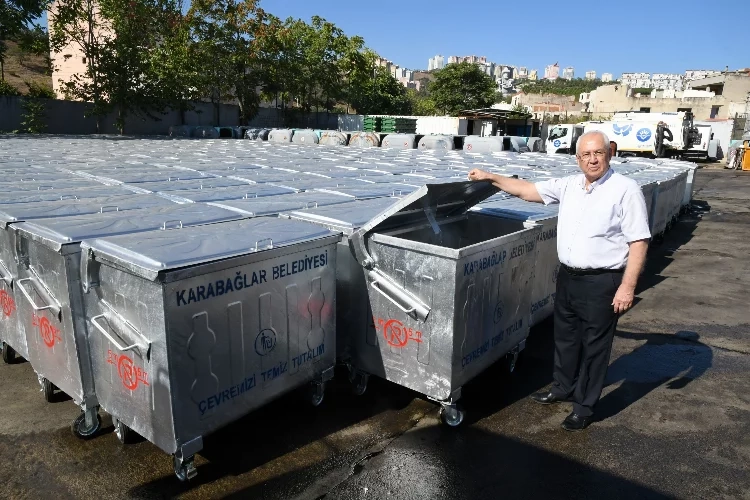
(596, 224)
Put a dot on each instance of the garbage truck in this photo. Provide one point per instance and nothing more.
(657, 135)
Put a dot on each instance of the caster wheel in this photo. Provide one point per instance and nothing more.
(511, 360)
(359, 382)
(48, 388)
(80, 430)
(9, 355)
(185, 469)
(452, 416)
(317, 393)
(123, 432)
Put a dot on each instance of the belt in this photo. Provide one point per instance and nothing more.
(588, 272)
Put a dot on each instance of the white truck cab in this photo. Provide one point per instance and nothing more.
(562, 139)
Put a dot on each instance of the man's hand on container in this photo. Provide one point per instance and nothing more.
(479, 175)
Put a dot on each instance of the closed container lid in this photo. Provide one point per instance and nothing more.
(61, 231)
(51, 184)
(256, 207)
(347, 217)
(161, 175)
(29, 211)
(516, 208)
(366, 191)
(249, 191)
(316, 183)
(147, 254)
(202, 183)
(96, 191)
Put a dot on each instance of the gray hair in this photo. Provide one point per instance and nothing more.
(601, 134)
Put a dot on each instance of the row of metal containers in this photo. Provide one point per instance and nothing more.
(107, 325)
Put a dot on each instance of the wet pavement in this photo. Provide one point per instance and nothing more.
(674, 420)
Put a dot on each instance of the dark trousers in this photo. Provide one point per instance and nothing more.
(585, 324)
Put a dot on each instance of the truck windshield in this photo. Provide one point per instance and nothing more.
(557, 132)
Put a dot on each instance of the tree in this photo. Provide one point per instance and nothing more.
(120, 42)
(421, 103)
(15, 17)
(381, 94)
(225, 33)
(462, 86)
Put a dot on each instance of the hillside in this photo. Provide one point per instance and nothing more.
(33, 69)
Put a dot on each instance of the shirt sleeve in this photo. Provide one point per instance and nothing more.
(550, 190)
(634, 222)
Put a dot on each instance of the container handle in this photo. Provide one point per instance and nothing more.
(164, 226)
(28, 179)
(44, 188)
(120, 347)
(247, 195)
(101, 210)
(269, 240)
(68, 196)
(7, 276)
(50, 307)
(307, 205)
(391, 291)
(408, 312)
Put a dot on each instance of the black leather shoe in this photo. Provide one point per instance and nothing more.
(547, 398)
(575, 422)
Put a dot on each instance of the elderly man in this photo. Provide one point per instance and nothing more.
(602, 240)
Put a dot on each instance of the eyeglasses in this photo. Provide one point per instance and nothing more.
(587, 157)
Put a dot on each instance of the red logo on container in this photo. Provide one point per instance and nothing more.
(396, 334)
(49, 332)
(7, 303)
(130, 375)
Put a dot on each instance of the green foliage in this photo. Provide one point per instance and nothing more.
(15, 17)
(34, 41)
(34, 116)
(642, 90)
(462, 86)
(382, 95)
(421, 103)
(6, 89)
(39, 90)
(500, 98)
(573, 87)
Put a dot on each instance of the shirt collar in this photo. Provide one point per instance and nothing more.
(601, 180)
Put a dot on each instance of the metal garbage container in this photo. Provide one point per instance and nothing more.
(50, 306)
(194, 328)
(12, 330)
(449, 290)
(547, 263)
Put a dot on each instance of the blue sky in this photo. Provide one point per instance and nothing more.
(650, 36)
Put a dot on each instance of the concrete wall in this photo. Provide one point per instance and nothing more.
(69, 117)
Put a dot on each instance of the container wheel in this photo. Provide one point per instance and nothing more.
(123, 432)
(185, 469)
(359, 381)
(79, 427)
(48, 388)
(9, 355)
(317, 393)
(452, 415)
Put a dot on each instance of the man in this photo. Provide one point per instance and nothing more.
(612, 149)
(602, 240)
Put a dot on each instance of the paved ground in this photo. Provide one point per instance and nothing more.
(675, 418)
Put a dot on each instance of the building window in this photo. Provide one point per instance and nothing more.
(714, 111)
(686, 110)
(645, 110)
(83, 60)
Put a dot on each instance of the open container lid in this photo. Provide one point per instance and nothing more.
(256, 207)
(430, 203)
(148, 254)
(57, 232)
(29, 211)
